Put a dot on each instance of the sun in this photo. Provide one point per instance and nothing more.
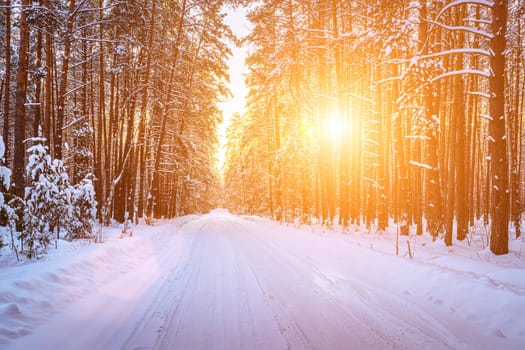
(334, 127)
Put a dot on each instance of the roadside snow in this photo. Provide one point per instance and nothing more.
(227, 282)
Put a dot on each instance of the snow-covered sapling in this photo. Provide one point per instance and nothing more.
(47, 199)
(6, 212)
(83, 209)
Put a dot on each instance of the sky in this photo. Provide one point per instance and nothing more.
(236, 19)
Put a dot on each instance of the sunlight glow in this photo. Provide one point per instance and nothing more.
(334, 127)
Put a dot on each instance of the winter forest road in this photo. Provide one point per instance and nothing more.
(225, 282)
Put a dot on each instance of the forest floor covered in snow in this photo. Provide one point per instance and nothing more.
(220, 281)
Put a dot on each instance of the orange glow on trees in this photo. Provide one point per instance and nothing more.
(363, 111)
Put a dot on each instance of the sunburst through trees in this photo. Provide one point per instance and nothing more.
(365, 111)
(358, 112)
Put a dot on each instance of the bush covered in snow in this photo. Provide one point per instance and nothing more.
(44, 199)
(5, 178)
(52, 204)
(83, 210)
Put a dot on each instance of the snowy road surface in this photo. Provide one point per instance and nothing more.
(224, 282)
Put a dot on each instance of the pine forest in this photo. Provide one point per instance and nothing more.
(359, 113)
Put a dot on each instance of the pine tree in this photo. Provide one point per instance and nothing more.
(37, 233)
(47, 200)
(83, 210)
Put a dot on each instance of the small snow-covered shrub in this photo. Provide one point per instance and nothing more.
(83, 210)
(13, 220)
(47, 200)
(5, 179)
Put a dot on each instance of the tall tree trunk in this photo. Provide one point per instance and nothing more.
(7, 94)
(37, 122)
(111, 141)
(433, 200)
(154, 191)
(461, 144)
(48, 134)
(515, 140)
(344, 153)
(279, 207)
(141, 144)
(499, 206)
(383, 139)
(100, 139)
(401, 178)
(322, 110)
(451, 168)
(269, 143)
(20, 109)
(61, 103)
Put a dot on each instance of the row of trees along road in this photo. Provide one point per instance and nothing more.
(125, 90)
(361, 111)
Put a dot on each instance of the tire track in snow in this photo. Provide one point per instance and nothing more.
(363, 307)
(222, 282)
(173, 323)
(221, 306)
(151, 327)
(321, 334)
(297, 338)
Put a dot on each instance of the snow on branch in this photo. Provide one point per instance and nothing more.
(89, 25)
(459, 72)
(465, 50)
(78, 8)
(417, 137)
(463, 29)
(328, 97)
(73, 122)
(421, 165)
(360, 97)
(478, 93)
(78, 87)
(98, 9)
(485, 3)
(369, 140)
(371, 181)
(477, 20)
(386, 80)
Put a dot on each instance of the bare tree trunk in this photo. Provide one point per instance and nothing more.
(61, 103)
(276, 162)
(451, 169)
(461, 145)
(100, 139)
(499, 206)
(153, 194)
(7, 106)
(141, 144)
(20, 109)
(48, 134)
(515, 140)
(37, 122)
(344, 169)
(433, 202)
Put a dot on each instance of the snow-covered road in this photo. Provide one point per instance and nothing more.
(225, 282)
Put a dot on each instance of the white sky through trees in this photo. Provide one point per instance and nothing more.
(236, 19)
